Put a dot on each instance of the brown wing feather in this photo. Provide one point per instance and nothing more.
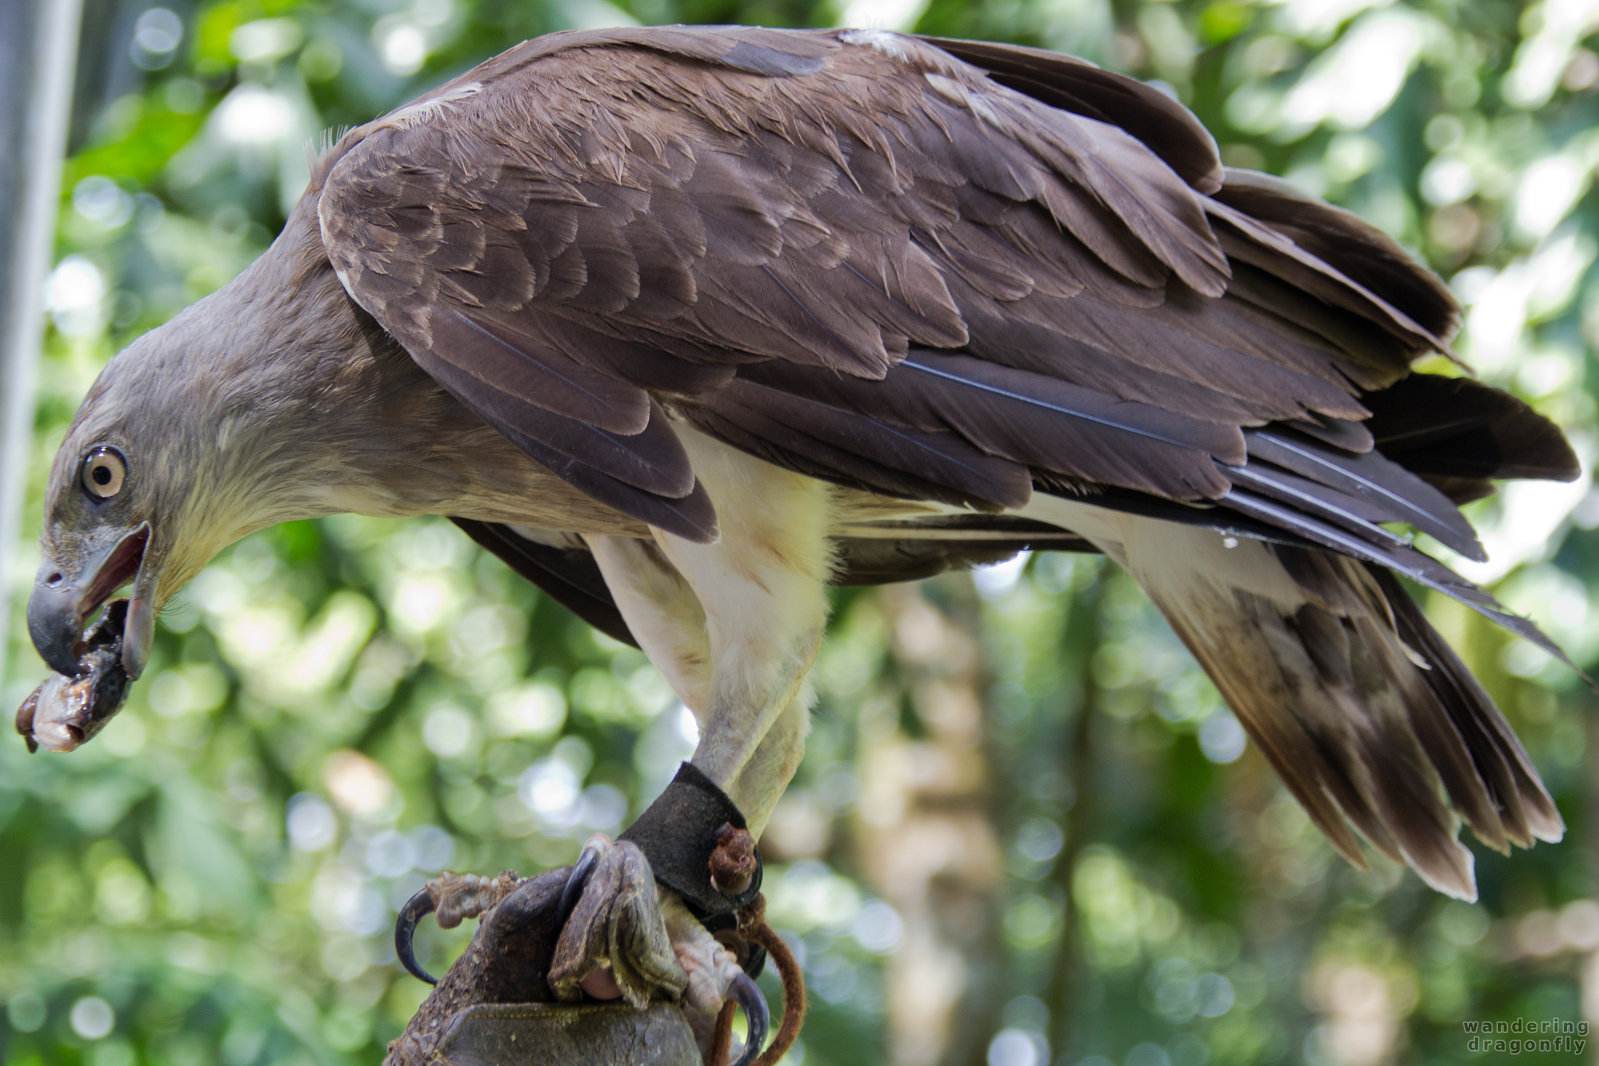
(1076, 85)
(759, 226)
(513, 233)
(1379, 264)
(1459, 434)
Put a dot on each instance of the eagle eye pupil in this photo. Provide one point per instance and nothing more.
(101, 475)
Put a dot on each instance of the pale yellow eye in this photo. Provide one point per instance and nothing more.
(104, 471)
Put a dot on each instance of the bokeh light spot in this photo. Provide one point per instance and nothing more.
(92, 1018)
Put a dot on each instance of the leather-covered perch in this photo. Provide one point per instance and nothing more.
(495, 1005)
(518, 993)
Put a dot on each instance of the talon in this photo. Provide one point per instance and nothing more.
(417, 907)
(450, 898)
(757, 1016)
(586, 861)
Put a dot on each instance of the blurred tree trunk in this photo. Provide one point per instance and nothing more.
(1081, 638)
(927, 835)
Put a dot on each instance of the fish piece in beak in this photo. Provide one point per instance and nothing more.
(64, 712)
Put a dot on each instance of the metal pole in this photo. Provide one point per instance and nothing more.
(38, 55)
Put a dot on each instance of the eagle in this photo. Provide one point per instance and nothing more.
(688, 324)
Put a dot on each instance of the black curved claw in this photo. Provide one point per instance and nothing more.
(586, 861)
(415, 909)
(757, 1017)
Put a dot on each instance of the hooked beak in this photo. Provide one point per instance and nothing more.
(69, 591)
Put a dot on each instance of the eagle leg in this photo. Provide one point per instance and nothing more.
(735, 625)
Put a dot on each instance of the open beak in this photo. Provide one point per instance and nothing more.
(71, 590)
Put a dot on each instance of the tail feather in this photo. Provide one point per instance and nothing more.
(1372, 722)
(1515, 793)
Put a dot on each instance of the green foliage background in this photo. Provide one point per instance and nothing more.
(337, 710)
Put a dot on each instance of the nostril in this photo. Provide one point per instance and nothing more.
(54, 579)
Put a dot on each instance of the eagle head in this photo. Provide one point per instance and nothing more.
(157, 473)
(273, 399)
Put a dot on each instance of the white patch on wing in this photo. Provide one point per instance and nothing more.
(425, 110)
(1172, 554)
(883, 41)
(1107, 529)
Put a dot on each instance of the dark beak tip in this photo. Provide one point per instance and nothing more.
(55, 626)
(59, 652)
